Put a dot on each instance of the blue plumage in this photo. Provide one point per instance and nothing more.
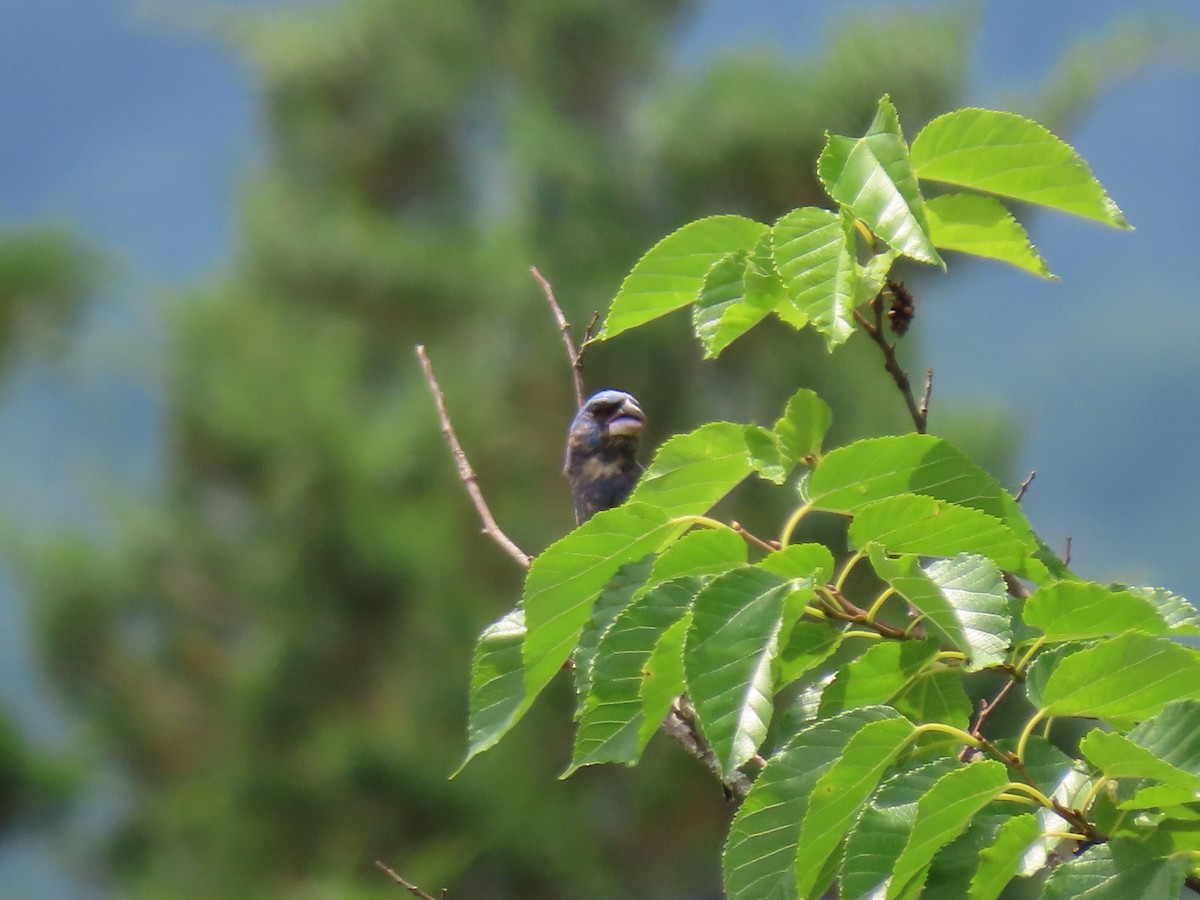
(601, 448)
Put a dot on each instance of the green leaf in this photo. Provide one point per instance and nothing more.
(1119, 757)
(943, 814)
(803, 425)
(818, 270)
(882, 830)
(612, 710)
(808, 644)
(1002, 153)
(760, 854)
(800, 561)
(663, 680)
(1173, 735)
(1132, 676)
(497, 683)
(842, 790)
(616, 596)
(999, 863)
(564, 580)
(692, 471)
(1118, 870)
(1181, 617)
(766, 454)
(733, 299)
(850, 477)
(962, 600)
(705, 551)
(936, 695)
(1077, 610)
(728, 656)
(872, 176)
(913, 523)
(671, 274)
(878, 676)
(982, 226)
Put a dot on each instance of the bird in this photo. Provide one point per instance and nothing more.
(602, 444)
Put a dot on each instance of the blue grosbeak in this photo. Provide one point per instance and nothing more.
(601, 446)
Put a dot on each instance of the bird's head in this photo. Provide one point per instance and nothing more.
(609, 421)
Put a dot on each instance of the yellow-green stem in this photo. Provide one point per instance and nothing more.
(1025, 733)
(1030, 791)
(845, 573)
(878, 604)
(792, 522)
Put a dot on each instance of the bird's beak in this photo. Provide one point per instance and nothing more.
(628, 420)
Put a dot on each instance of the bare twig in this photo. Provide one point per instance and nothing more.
(986, 708)
(875, 332)
(1067, 552)
(465, 472)
(574, 356)
(408, 886)
(754, 540)
(923, 409)
(680, 724)
(1025, 485)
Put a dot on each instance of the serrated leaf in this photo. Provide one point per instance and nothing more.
(852, 476)
(707, 551)
(943, 814)
(1078, 610)
(914, 523)
(760, 853)
(616, 595)
(936, 696)
(692, 471)
(663, 680)
(999, 863)
(872, 176)
(883, 829)
(1006, 154)
(766, 454)
(983, 226)
(497, 683)
(842, 790)
(800, 561)
(962, 600)
(671, 274)
(808, 644)
(1181, 617)
(1118, 870)
(727, 660)
(818, 270)
(1132, 676)
(612, 709)
(878, 676)
(732, 300)
(1173, 735)
(803, 425)
(1119, 757)
(565, 579)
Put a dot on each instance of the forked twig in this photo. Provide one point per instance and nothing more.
(874, 330)
(465, 473)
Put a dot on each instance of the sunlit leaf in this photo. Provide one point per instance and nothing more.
(877, 676)
(692, 471)
(736, 296)
(936, 696)
(728, 656)
(760, 854)
(818, 270)
(982, 226)
(1131, 676)
(1000, 862)
(616, 595)
(872, 176)
(1118, 757)
(1003, 153)
(1077, 610)
(808, 644)
(705, 551)
(672, 272)
(1181, 617)
(1118, 870)
(803, 425)
(664, 680)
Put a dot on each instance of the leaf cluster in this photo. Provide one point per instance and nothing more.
(834, 692)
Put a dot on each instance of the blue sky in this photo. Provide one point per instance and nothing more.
(138, 133)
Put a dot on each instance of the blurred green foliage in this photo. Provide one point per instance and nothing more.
(274, 657)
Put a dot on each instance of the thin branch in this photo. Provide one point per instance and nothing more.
(575, 357)
(680, 724)
(408, 886)
(1067, 552)
(986, 708)
(923, 409)
(753, 540)
(1025, 485)
(875, 332)
(465, 473)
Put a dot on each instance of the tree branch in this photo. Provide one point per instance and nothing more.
(574, 356)
(408, 886)
(874, 330)
(465, 473)
(680, 724)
